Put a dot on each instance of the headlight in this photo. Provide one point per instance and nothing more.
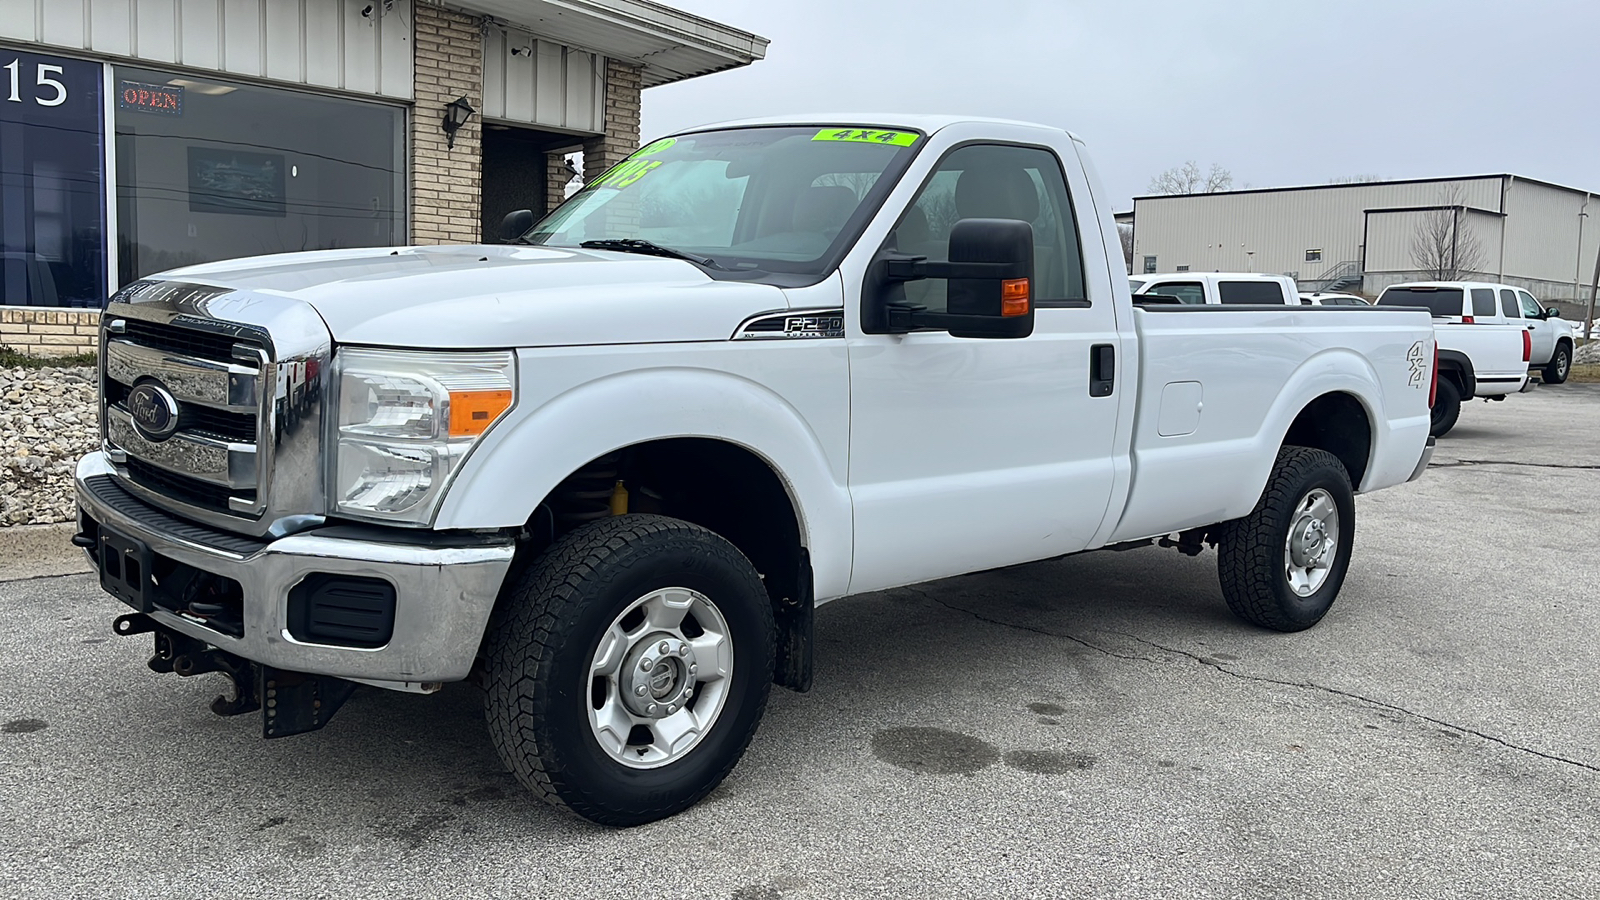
(407, 419)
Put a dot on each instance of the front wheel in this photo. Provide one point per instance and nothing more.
(1555, 371)
(1282, 565)
(628, 668)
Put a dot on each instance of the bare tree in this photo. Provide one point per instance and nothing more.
(1356, 179)
(1444, 246)
(1125, 232)
(1188, 179)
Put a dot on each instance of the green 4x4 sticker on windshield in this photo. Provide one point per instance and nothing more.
(867, 136)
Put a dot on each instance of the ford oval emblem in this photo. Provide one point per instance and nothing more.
(154, 410)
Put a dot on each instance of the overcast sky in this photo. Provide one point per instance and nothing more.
(1280, 92)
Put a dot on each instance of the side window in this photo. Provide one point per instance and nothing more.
(1530, 307)
(1269, 292)
(1483, 302)
(1187, 291)
(1508, 304)
(984, 181)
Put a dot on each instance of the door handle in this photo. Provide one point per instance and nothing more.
(1102, 370)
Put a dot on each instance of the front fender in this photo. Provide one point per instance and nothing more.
(524, 458)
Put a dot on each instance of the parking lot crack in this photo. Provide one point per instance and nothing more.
(1462, 463)
(1382, 704)
(1090, 645)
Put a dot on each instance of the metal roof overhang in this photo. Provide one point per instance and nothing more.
(668, 44)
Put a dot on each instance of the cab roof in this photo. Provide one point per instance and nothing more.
(927, 124)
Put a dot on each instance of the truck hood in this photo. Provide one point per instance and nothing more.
(497, 295)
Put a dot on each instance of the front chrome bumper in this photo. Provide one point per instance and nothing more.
(445, 590)
(1427, 455)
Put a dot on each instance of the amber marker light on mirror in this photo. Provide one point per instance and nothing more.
(1014, 297)
(472, 412)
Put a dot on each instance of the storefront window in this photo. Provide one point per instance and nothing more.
(52, 248)
(208, 170)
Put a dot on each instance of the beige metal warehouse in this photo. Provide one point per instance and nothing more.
(1365, 236)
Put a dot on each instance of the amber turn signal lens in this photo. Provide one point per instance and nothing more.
(1014, 297)
(472, 412)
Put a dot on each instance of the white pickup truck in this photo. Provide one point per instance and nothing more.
(1485, 348)
(610, 471)
(1231, 288)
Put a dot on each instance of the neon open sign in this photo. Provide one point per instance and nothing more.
(165, 99)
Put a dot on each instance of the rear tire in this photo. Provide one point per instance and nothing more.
(1446, 408)
(614, 625)
(1559, 366)
(1281, 566)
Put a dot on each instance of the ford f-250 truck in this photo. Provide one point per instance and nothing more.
(610, 470)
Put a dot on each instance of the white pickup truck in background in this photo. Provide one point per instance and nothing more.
(610, 470)
(1483, 352)
(1218, 288)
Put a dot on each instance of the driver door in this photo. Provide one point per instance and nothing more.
(967, 453)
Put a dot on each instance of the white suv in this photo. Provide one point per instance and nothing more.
(1490, 302)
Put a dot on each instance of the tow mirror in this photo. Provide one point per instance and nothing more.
(989, 283)
(515, 225)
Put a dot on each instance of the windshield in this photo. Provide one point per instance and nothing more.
(755, 200)
(1439, 301)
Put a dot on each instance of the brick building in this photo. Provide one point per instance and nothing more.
(141, 135)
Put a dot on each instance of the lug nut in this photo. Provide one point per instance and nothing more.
(684, 650)
(694, 669)
(672, 709)
(646, 663)
(665, 647)
(651, 708)
(639, 690)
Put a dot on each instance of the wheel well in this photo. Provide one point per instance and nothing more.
(715, 484)
(1336, 423)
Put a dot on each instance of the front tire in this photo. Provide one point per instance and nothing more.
(1559, 366)
(1446, 408)
(1281, 566)
(628, 668)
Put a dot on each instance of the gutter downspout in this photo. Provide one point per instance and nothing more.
(1505, 189)
(1577, 262)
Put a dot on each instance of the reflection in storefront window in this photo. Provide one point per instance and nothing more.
(52, 249)
(209, 171)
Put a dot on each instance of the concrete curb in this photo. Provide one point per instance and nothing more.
(31, 551)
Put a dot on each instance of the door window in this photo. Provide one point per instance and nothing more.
(983, 181)
(1483, 303)
(1508, 304)
(1186, 291)
(1530, 307)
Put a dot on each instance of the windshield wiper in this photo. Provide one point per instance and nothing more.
(648, 248)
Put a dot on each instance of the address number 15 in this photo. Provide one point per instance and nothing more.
(42, 80)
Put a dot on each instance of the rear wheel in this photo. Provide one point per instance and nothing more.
(1555, 371)
(1446, 408)
(1282, 566)
(629, 667)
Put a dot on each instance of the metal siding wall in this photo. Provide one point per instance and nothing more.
(543, 83)
(1542, 235)
(324, 43)
(1206, 231)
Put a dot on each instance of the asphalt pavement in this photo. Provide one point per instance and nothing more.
(1098, 726)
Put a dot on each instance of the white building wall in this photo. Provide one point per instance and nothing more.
(1543, 230)
(1214, 232)
(318, 43)
(542, 83)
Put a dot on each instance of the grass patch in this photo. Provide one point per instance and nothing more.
(12, 359)
(1586, 374)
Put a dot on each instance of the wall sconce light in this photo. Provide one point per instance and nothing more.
(456, 114)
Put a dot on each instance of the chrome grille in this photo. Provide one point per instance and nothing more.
(244, 375)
